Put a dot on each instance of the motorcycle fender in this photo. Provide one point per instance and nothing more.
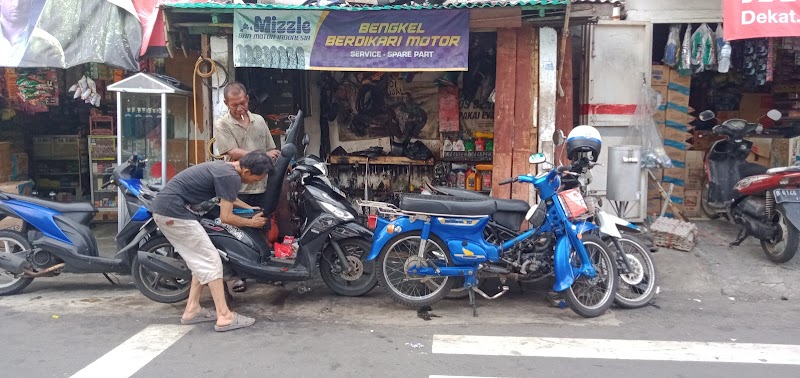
(397, 226)
(608, 224)
(563, 269)
(791, 211)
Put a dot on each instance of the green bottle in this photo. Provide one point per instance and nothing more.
(490, 145)
(469, 145)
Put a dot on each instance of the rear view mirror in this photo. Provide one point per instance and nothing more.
(707, 115)
(306, 140)
(774, 115)
(558, 138)
(537, 158)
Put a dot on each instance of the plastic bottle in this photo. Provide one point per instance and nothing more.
(725, 58)
(149, 122)
(485, 176)
(469, 145)
(458, 145)
(461, 181)
(490, 145)
(480, 144)
(448, 145)
(127, 123)
(452, 179)
(170, 125)
(138, 123)
(471, 180)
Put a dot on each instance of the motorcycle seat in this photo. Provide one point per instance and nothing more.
(505, 205)
(791, 169)
(79, 207)
(448, 205)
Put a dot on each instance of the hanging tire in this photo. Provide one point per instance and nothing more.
(399, 254)
(363, 276)
(638, 287)
(592, 297)
(154, 285)
(13, 242)
(783, 246)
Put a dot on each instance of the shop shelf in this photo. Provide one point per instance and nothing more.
(378, 160)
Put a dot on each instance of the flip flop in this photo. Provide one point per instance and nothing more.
(207, 316)
(239, 321)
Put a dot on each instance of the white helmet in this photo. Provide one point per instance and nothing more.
(584, 141)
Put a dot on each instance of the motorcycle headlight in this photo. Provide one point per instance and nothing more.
(339, 213)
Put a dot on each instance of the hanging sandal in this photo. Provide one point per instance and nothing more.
(202, 316)
(239, 321)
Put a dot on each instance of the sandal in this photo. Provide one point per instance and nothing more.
(202, 316)
(239, 321)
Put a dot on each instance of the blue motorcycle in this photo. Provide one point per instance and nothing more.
(58, 238)
(428, 242)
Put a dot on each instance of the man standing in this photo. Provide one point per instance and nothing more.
(238, 132)
(171, 213)
(14, 31)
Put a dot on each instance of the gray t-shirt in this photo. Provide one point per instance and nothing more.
(195, 185)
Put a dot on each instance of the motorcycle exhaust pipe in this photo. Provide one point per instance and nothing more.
(12, 263)
(165, 265)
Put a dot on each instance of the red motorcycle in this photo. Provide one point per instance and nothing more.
(764, 202)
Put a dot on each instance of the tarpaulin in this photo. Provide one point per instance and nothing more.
(66, 33)
(429, 40)
(153, 39)
(761, 18)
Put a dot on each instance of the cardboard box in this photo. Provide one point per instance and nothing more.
(760, 160)
(762, 147)
(691, 203)
(5, 161)
(678, 97)
(785, 152)
(659, 75)
(675, 78)
(654, 206)
(679, 114)
(19, 166)
(675, 153)
(726, 115)
(672, 133)
(703, 140)
(662, 89)
(695, 170)
(756, 102)
(23, 188)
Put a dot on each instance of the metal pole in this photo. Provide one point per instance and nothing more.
(163, 139)
(120, 198)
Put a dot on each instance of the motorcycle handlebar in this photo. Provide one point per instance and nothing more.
(508, 181)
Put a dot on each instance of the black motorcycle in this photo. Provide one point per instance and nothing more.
(330, 237)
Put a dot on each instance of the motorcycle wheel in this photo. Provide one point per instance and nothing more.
(638, 287)
(13, 242)
(153, 285)
(398, 255)
(784, 246)
(592, 297)
(361, 280)
(707, 209)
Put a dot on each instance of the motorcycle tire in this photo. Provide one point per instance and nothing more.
(607, 273)
(138, 271)
(18, 283)
(792, 236)
(408, 300)
(368, 274)
(639, 287)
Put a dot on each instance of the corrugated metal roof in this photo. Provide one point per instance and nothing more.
(449, 4)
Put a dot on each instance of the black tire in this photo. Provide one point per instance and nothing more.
(606, 267)
(144, 278)
(791, 237)
(353, 286)
(407, 300)
(635, 290)
(18, 282)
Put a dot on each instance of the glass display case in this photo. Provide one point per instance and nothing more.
(153, 119)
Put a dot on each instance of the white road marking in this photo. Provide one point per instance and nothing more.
(455, 376)
(775, 354)
(133, 354)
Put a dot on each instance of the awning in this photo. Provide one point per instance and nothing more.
(66, 33)
(761, 19)
(449, 4)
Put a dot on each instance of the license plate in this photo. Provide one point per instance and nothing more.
(787, 195)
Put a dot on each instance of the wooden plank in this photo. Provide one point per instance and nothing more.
(564, 105)
(491, 18)
(548, 58)
(523, 112)
(505, 92)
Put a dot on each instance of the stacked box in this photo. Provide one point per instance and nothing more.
(695, 170)
(677, 134)
(5, 161)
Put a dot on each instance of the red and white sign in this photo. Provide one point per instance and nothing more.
(761, 18)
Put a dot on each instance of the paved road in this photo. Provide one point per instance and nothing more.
(719, 313)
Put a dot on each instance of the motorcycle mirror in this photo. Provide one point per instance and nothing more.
(289, 150)
(558, 138)
(774, 115)
(537, 158)
(759, 129)
(707, 115)
(306, 140)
